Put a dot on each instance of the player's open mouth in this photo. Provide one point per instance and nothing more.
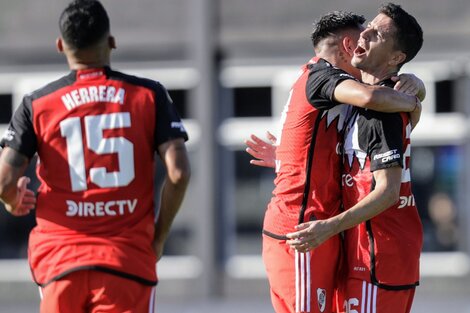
(359, 51)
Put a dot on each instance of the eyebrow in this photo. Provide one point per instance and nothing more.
(378, 29)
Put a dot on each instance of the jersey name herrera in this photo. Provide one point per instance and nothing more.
(100, 208)
(91, 94)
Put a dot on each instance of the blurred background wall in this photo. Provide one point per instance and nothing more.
(228, 66)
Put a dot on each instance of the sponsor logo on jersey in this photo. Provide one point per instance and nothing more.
(100, 208)
(388, 156)
(347, 180)
(93, 94)
(8, 135)
(406, 201)
(359, 269)
(321, 297)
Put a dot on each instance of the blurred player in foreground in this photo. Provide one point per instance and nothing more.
(96, 131)
(308, 158)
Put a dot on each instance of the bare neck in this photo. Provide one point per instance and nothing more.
(81, 60)
(374, 77)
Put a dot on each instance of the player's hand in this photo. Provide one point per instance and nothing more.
(263, 152)
(409, 84)
(415, 115)
(25, 199)
(309, 235)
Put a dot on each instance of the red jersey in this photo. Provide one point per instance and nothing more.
(308, 159)
(384, 250)
(96, 132)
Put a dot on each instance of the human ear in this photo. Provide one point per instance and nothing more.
(348, 45)
(112, 42)
(397, 58)
(59, 45)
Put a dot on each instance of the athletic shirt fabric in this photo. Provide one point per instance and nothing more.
(96, 132)
(309, 137)
(384, 250)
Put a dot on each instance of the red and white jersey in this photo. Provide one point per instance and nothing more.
(96, 132)
(385, 250)
(308, 155)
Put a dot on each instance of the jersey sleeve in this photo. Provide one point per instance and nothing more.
(168, 122)
(322, 81)
(386, 141)
(20, 134)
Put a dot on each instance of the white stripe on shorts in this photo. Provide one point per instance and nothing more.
(152, 301)
(374, 299)
(41, 295)
(302, 282)
(297, 289)
(368, 298)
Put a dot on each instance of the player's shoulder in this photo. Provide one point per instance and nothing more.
(319, 64)
(321, 68)
(51, 87)
(135, 80)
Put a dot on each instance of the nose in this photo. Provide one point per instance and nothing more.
(365, 34)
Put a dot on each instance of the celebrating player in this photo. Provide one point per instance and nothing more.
(308, 163)
(96, 132)
(384, 231)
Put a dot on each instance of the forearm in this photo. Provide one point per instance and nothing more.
(372, 205)
(8, 191)
(377, 98)
(12, 166)
(171, 199)
(312, 234)
(387, 100)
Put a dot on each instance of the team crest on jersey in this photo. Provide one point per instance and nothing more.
(338, 112)
(321, 297)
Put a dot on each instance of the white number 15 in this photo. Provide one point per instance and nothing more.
(71, 130)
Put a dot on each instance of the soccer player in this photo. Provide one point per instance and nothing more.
(96, 131)
(384, 231)
(308, 164)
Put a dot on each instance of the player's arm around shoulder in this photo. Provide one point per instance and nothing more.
(373, 97)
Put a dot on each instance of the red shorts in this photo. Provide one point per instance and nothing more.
(301, 282)
(361, 296)
(93, 291)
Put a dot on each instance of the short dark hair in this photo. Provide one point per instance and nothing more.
(333, 22)
(83, 23)
(409, 35)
